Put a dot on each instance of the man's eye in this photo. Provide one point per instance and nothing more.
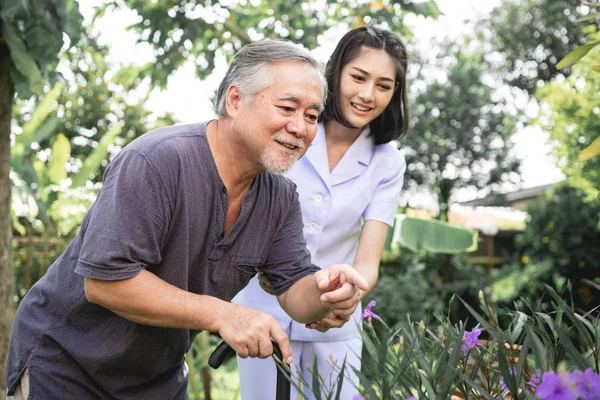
(312, 117)
(286, 109)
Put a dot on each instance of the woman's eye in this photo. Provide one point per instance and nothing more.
(358, 77)
(385, 87)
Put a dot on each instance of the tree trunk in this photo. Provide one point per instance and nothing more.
(7, 280)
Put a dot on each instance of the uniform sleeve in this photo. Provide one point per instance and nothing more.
(128, 221)
(384, 204)
(289, 259)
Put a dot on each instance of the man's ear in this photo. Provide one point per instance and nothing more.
(233, 100)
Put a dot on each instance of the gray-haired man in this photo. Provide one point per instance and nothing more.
(186, 216)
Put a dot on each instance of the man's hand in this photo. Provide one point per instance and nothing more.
(249, 332)
(340, 286)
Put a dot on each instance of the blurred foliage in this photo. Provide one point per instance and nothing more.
(200, 31)
(419, 285)
(34, 36)
(570, 113)
(516, 280)
(460, 131)
(532, 36)
(32, 256)
(90, 106)
(583, 50)
(563, 230)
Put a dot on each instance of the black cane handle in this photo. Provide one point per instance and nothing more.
(224, 351)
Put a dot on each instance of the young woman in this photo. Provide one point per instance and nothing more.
(348, 183)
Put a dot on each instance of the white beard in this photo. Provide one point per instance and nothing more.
(277, 167)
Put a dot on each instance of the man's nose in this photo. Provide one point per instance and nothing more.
(297, 125)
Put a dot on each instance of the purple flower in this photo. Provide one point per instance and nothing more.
(412, 398)
(358, 397)
(470, 340)
(587, 384)
(553, 387)
(535, 380)
(503, 384)
(367, 313)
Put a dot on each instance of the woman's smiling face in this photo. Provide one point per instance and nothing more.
(367, 85)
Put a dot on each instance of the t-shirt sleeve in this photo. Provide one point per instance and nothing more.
(128, 221)
(384, 204)
(289, 259)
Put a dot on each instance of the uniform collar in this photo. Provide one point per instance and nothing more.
(352, 164)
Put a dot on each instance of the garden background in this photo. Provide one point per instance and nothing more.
(487, 100)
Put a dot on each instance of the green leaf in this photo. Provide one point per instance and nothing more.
(34, 128)
(432, 235)
(540, 353)
(22, 59)
(74, 23)
(576, 54)
(11, 8)
(451, 368)
(585, 331)
(340, 380)
(428, 386)
(523, 354)
(591, 151)
(316, 384)
(479, 389)
(95, 158)
(45, 130)
(589, 16)
(61, 151)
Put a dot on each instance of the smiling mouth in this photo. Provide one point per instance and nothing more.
(288, 145)
(361, 107)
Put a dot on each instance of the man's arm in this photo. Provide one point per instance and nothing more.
(147, 299)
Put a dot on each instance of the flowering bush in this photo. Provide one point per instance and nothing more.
(541, 354)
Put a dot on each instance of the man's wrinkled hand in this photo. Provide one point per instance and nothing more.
(249, 332)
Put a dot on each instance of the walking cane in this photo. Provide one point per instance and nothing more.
(223, 352)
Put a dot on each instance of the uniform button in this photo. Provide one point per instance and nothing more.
(318, 198)
(312, 226)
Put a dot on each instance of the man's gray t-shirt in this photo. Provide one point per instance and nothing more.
(162, 208)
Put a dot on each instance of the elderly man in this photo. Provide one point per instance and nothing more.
(186, 216)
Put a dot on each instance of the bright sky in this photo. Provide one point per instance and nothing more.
(188, 98)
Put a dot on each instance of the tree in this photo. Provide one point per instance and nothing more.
(93, 101)
(461, 131)
(30, 40)
(199, 32)
(570, 113)
(593, 149)
(532, 36)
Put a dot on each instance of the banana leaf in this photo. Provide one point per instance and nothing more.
(429, 235)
